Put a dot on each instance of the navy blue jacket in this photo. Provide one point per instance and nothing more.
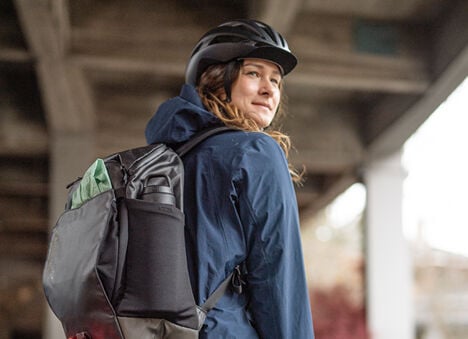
(240, 207)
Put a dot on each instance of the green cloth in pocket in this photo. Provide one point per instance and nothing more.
(95, 181)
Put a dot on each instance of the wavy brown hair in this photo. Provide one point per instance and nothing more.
(211, 88)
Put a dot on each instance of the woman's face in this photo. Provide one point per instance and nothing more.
(256, 91)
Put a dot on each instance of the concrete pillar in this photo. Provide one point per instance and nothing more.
(389, 269)
(70, 155)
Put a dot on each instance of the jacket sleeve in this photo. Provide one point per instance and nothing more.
(279, 302)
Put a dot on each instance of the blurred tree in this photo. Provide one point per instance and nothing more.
(336, 316)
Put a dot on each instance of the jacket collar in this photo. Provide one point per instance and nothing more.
(179, 118)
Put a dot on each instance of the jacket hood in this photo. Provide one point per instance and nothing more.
(179, 118)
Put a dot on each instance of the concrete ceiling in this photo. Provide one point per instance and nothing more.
(370, 72)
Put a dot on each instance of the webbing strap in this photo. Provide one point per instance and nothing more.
(234, 279)
(218, 293)
(198, 138)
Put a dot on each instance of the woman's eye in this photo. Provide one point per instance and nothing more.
(253, 73)
(276, 82)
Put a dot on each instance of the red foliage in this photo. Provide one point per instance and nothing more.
(336, 316)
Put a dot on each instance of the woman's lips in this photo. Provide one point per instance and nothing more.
(262, 104)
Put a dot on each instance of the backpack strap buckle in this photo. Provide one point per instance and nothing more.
(236, 281)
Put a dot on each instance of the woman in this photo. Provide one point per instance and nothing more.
(239, 199)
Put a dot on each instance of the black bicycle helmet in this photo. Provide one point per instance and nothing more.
(239, 39)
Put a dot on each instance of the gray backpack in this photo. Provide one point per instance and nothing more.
(116, 266)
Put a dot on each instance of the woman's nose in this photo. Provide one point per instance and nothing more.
(266, 87)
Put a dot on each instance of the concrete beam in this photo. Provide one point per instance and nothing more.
(396, 134)
(360, 75)
(374, 9)
(450, 67)
(450, 36)
(320, 66)
(21, 137)
(14, 55)
(113, 64)
(330, 143)
(19, 246)
(330, 56)
(277, 13)
(65, 93)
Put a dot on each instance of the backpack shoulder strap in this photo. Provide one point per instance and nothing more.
(199, 137)
(235, 278)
